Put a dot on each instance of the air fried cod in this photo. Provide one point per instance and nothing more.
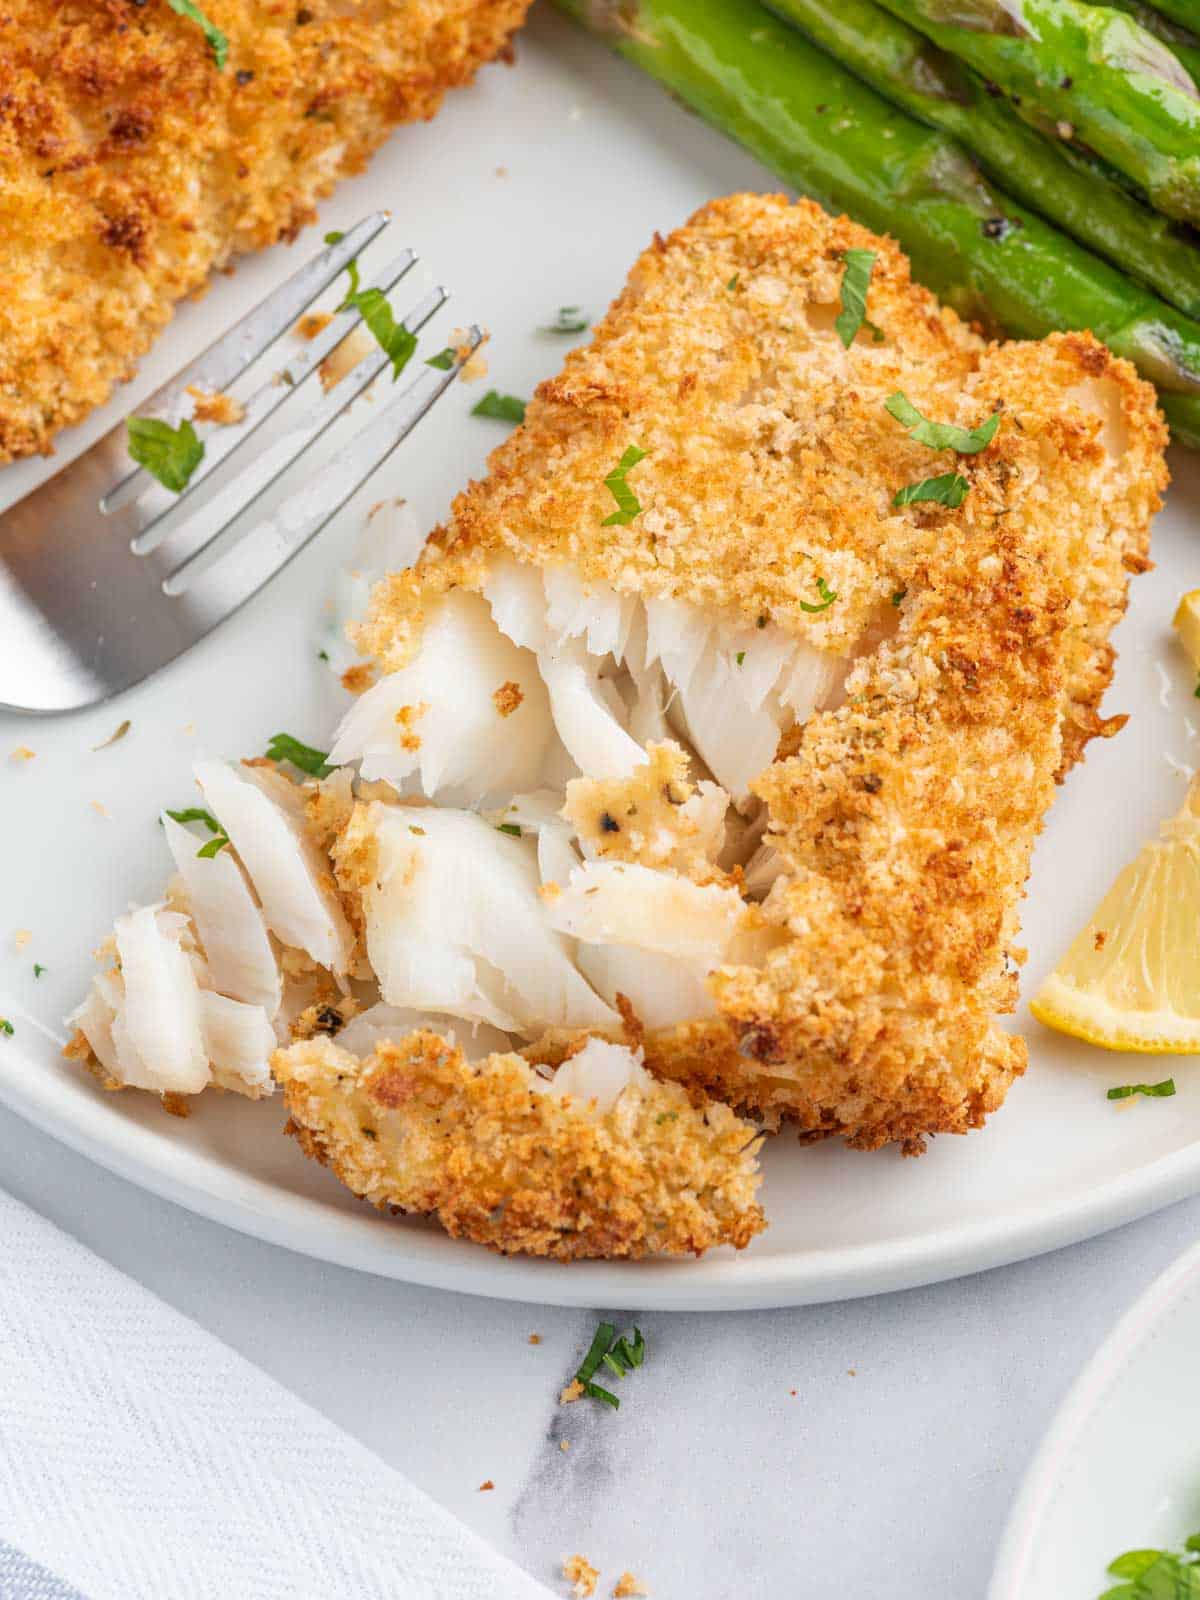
(133, 167)
(696, 777)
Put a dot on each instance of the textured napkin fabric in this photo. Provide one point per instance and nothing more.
(141, 1459)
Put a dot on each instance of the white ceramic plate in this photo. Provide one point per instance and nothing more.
(535, 189)
(1120, 1467)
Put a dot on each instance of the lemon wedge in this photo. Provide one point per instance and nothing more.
(1187, 625)
(1131, 979)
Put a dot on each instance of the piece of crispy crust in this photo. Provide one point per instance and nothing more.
(417, 1128)
(134, 168)
(907, 816)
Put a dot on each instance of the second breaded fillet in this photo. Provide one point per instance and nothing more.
(417, 1128)
(133, 167)
(953, 676)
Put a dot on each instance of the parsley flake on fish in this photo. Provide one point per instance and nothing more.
(941, 435)
(197, 814)
(6, 1026)
(856, 280)
(828, 596)
(38, 969)
(284, 748)
(169, 454)
(217, 41)
(502, 407)
(948, 489)
(213, 847)
(628, 504)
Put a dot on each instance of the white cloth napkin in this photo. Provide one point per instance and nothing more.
(142, 1459)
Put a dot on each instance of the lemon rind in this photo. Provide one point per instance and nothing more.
(1068, 1009)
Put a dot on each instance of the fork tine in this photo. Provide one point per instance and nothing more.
(188, 540)
(143, 519)
(225, 585)
(229, 356)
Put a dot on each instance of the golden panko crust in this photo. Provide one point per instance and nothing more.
(907, 816)
(417, 1128)
(134, 168)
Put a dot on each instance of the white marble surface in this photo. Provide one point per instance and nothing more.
(868, 1447)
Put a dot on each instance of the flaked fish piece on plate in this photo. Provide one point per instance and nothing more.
(697, 735)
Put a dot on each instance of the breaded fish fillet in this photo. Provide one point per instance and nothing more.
(417, 1128)
(133, 167)
(902, 811)
(688, 755)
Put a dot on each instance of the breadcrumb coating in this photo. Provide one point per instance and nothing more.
(906, 816)
(417, 1128)
(134, 168)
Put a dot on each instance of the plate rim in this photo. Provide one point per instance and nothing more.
(721, 1281)
(1105, 1368)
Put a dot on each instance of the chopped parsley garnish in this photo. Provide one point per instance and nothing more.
(213, 847)
(620, 1356)
(197, 814)
(1160, 1091)
(855, 281)
(169, 454)
(570, 319)
(509, 827)
(740, 657)
(948, 489)
(628, 504)
(1196, 690)
(6, 1026)
(828, 596)
(218, 43)
(443, 361)
(941, 435)
(1157, 1574)
(898, 597)
(284, 748)
(38, 969)
(392, 337)
(322, 655)
(503, 407)
(733, 283)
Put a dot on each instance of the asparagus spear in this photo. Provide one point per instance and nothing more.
(835, 139)
(1073, 192)
(1185, 12)
(1181, 41)
(1085, 73)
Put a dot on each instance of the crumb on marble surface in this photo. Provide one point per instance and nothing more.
(627, 1586)
(573, 1391)
(535, 1338)
(486, 1484)
(582, 1575)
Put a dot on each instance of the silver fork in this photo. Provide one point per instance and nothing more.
(105, 576)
